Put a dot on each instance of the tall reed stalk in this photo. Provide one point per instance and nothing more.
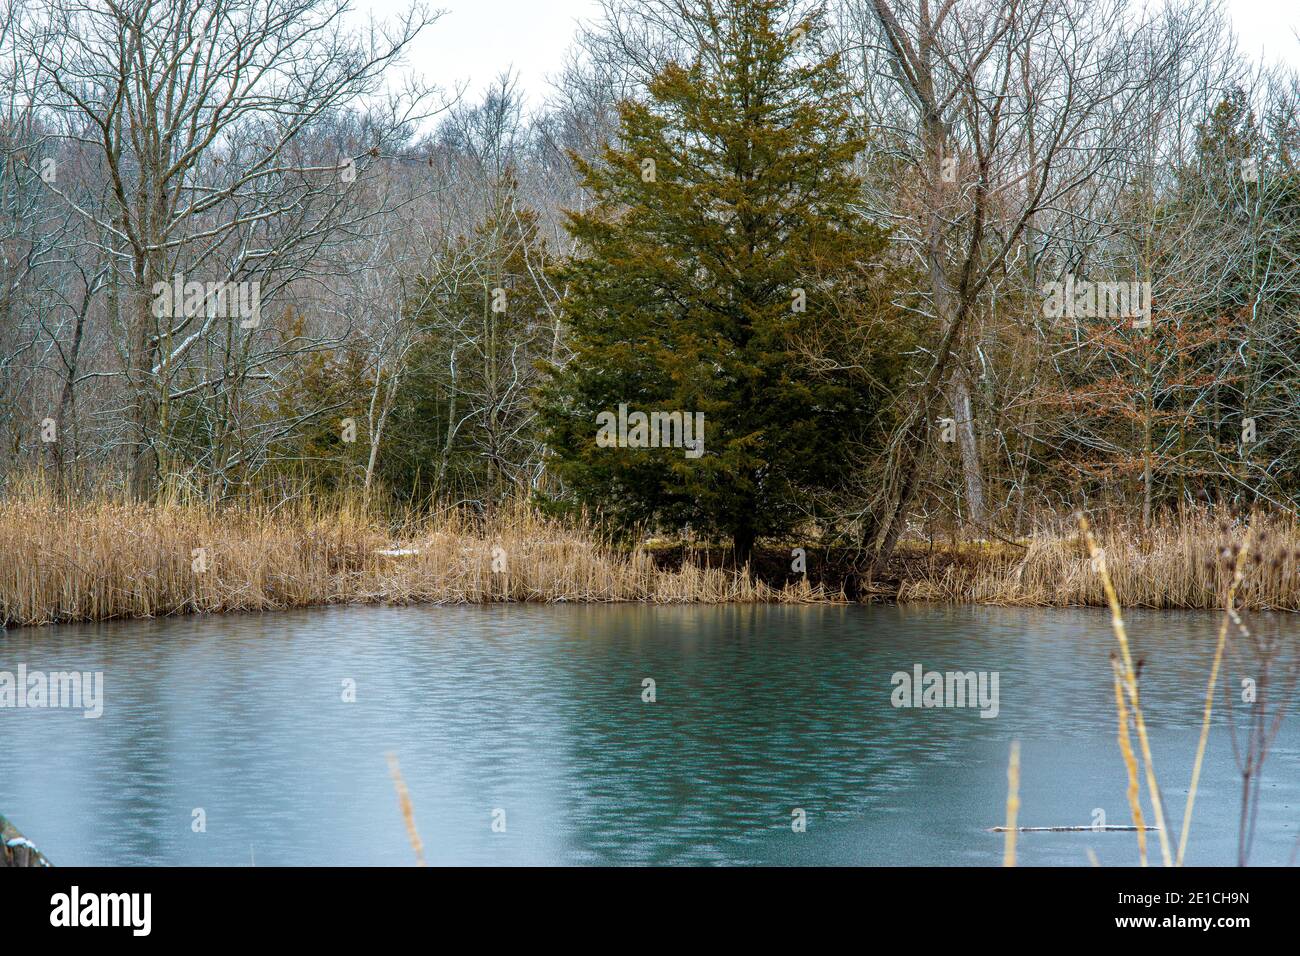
(1013, 804)
(1228, 611)
(1129, 676)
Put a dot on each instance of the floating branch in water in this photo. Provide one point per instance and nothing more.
(1085, 828)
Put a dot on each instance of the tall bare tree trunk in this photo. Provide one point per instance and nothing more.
(68, 401)
(963, 417)
(142, 457)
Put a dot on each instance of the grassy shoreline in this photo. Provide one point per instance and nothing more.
(101, 559)
(1184, 561)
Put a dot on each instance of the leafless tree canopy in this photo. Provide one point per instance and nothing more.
(238, 253)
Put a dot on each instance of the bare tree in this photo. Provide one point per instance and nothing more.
(1004, 111)
(199, 112)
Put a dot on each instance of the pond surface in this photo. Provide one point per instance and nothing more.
(533, 717)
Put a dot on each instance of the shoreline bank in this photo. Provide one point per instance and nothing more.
(101, 560)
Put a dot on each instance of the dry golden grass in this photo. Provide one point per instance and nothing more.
(103, 558)
(1165, 568)
(100, 558)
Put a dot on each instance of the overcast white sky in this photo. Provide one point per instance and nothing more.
(477, 39)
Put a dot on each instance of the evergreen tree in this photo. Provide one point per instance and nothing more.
(724, 237)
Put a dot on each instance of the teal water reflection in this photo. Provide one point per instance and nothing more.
(538, 712)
